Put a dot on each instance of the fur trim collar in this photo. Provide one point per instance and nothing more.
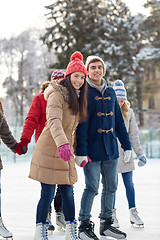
(54, 85)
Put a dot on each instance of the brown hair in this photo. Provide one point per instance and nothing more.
(125, 109)
(44, 85)
(76, 105)
(1, 105)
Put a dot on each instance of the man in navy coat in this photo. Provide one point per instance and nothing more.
(97, 146)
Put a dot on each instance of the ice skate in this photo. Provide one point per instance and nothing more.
(71, 231)
(51, 228)
(115, 220)
(4, 232)
(109, 231)
(41, 232)
(86, 230)
(60, 221)
(134, 218)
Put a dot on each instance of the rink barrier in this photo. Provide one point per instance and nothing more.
(150, 141)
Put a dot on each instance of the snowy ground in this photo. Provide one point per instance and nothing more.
(21, 194)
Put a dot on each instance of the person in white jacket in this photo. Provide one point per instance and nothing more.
(126, 168)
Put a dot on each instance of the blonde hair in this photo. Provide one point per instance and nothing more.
(125, 109)
(44, 85)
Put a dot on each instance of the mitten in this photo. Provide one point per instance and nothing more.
(22, 146)
(81, 161)
(64, 152)
(142, 160)
(127, 156)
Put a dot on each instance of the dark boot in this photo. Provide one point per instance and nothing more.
(107, 230)
(86, 230)
(51, 228)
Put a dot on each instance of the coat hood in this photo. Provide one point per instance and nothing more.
(54, 86)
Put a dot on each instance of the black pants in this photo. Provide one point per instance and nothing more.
(58, 201)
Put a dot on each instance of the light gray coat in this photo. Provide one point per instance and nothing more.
(132, 129)
(46, 166)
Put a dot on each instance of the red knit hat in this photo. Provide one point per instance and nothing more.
(76, 64)
(57, 74)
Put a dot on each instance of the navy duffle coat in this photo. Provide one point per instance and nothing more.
(97, 136)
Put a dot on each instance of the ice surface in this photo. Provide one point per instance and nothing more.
(21, 194)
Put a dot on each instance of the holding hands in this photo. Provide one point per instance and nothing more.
(22, 146)
(81, 161)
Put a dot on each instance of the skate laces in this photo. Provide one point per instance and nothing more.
(115, 230)
(90, 228)
(44, 230)
(73, 229)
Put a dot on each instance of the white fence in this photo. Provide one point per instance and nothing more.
(150, 141)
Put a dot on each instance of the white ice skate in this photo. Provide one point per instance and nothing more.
(71, 231)
(134, 218)
(115, 220)
(4, 232)
(60, 221)
(41, 232)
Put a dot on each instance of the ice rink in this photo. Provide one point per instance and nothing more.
(21, 194)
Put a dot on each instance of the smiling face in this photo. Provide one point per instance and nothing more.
(77, 79)
(96, 72)
(121, 102)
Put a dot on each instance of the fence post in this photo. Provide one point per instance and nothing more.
(159, 142)
(150, 138)
(147, 150)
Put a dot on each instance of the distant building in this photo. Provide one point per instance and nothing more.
(151, 95)
(151, 89)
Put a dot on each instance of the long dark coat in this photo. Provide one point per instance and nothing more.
(97, 136)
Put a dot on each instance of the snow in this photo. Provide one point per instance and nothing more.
(148, 52)
(21, 194)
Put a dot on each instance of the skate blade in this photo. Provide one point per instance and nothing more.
(137, 225)
(110, 238)
(7, 238)
(61, 229)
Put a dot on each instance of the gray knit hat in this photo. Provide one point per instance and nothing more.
(91, 58)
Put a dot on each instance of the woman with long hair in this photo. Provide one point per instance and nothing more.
(126, 167)
(52, 162)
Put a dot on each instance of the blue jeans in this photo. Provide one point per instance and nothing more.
(47, 195)
(129, 186)
(92, 171)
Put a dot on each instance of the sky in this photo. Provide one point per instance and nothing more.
(17, 16)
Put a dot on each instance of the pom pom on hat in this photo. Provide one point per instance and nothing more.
(76, 55)
(57, 74)
(76, 64)
(120, 90)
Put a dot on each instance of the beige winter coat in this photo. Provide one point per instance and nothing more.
(46, 166)
(132, 129)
